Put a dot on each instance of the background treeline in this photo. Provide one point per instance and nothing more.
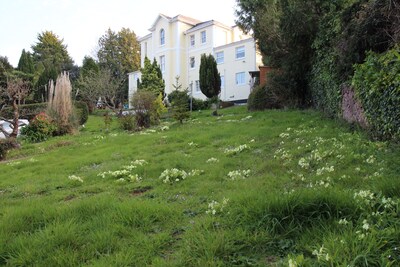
(320, 47)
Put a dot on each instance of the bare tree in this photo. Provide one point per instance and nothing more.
(16, 91)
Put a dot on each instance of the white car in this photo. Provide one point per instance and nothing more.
(8, 129)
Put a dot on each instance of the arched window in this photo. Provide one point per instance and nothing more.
(162, 37)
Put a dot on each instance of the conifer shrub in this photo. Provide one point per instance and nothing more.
(82, 111)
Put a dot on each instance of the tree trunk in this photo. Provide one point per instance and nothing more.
(15, 123)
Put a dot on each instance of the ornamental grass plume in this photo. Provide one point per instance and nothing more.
(60, 106)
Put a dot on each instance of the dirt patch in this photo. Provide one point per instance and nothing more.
(140, 190)
(69, 197)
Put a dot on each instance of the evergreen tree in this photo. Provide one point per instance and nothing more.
(89, 66)
(25, 63)
(151, 78)
(210, 80)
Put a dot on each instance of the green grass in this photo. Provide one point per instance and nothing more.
(306, 176)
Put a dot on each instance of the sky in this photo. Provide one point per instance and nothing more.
(80, 23)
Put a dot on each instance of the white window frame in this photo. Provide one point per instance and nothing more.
(240, 52)
(240, 78)
(220, 59)
(192, 62)
(203, 37)
(162, 64)
(162, 37)
(192, 40)
(197, 87)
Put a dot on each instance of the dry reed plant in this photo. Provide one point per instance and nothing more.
(60, 103)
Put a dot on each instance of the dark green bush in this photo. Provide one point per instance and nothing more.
(82, 111)
(28, 111)
(39, 129)
(377, 85)
(180, 96)
(127, 122)
(257, 99)
(198, 104)
(5, 146)
(180, 106)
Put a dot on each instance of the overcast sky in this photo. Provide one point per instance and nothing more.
(82, 22)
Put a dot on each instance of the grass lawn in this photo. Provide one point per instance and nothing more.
(274, 188)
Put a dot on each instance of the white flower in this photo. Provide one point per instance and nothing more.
(212, 160)
(75, 178)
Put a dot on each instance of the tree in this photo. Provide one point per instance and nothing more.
(151, 78)
(89, 66)
(97, 85)
(16, 90)
(119, 53)
(179, 100)
(210, 80)
(25, 63)
(5, 69)
(51, 57)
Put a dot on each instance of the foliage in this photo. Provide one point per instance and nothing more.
(28, 111)
(97, 85)
(210, 80)
(143, 105)
(180, 107)
(151, 79)
(158, 109)
(127, 122)
(60, 106)
(40, 128)
(119, 53)
(25, 63)
(377, 84)
(89, 66)
(51, 57)
(5, 69)
(199, 104)
(257, 98)
(82, 111)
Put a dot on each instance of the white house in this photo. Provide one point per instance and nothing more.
(177, 44)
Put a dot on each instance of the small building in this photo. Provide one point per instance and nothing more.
(177, 44)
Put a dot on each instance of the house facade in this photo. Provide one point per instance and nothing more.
(177, 44)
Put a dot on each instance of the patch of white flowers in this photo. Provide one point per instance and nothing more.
(238, 174)
(75, 178)
(215, 207)
(212, 160)
(175, 175)
(126, 172)
(236, 150)
(322, 254)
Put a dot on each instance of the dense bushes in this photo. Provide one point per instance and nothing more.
(28, 111)
(39, 129)
(377, 84)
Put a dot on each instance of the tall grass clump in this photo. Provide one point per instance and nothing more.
(60, 106)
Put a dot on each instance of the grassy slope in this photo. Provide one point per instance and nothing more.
(304, 174)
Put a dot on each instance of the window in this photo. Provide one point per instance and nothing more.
(222, 82)
(220, 57)
(240, 53)
(192, 62)
(162, 37)
(203, 37)
(197, 86)
(162, 63)
(240, 78)
(192, 40)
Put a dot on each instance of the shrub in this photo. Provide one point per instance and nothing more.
(39, 129)
(6, 145)
(82, 111)
(199, 104)
(28, 111)
(257, 98)
(127, 122)
(180, 106)
(377, 84)
(143, 102)
(180, 96)
(157, 109)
